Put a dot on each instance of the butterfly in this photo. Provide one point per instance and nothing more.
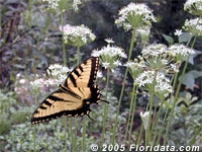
(74, 97)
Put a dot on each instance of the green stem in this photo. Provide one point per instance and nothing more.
(34, 138)
(78, 55)
(63, 43)
(172, 113)
(123, 87)
(139, 140)
(65, 127)
(84, 135)
(157, 133)
(151, 99)
(73, 135)
(133, 100)
(105, 108)
(163, 124)
(128, 120)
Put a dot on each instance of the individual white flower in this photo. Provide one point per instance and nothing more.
(117, 63)
(99, 74)
(180, 49)
(178, 32)
(194, 26)
(77, 35)
(193, 7)
(155, 50)
(105, 65)
(109, 40)
(133, 15)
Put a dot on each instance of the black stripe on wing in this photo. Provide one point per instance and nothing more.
(95, 95)
(76, 75)
(45, 111)
(85, 110)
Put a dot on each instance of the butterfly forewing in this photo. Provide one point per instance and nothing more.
(74, 97)
(84, 75)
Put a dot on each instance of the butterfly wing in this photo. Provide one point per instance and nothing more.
(82, 80)
(60, 103)
(84, 75)
(74, 97)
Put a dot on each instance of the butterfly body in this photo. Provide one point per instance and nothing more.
(74, 97)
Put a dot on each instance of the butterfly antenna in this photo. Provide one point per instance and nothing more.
(105, 101)
(90, 117)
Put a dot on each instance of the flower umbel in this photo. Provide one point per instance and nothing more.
(134, 15)
(52, 4)
(77, 35)
(59, 72)
(179, 51)
(193, 7)
(110, 56)
(194, 26)
(154, 50)
(147, 79)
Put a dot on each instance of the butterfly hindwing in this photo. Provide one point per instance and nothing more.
(74, 97)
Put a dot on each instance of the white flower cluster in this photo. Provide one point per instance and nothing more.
(77, 35)
(59, 72)
(37, 83)
(180, 49)
(53, 4)
(193, 7)
(162, 84)
(154, 50)
(110, 55)
(109, 51)
(161, 49)
(134, 65)
(133, 13)
(75, 4)
(194, 26)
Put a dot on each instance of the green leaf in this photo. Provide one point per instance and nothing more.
(184, 37)
(189, 78)
(168, 38)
